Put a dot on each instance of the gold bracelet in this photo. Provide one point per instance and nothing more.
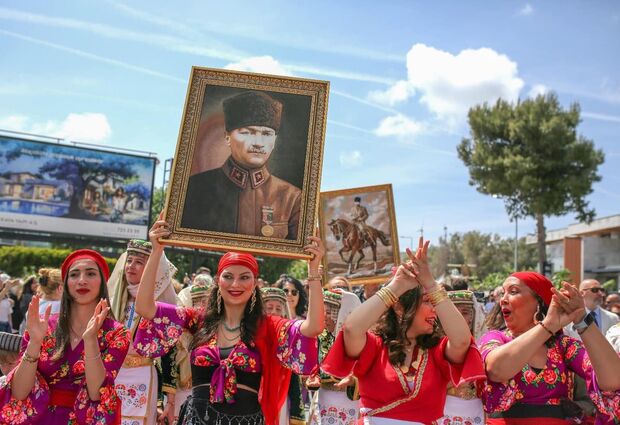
(391, 294)
(546, 328)
(314, 277)
(386, 296)
(438, 296)
(29, 358)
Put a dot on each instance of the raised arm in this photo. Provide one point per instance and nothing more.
(452, 321)
(506, 361)
(36, 326)
(366, 315)
(145, 300)
(604, 359)
(314, 323)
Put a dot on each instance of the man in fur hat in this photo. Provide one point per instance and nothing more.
(242, 196)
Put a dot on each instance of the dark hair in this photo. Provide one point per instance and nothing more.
(459, 284)
(393, 329)
(212, 319)
(302, 305)
(495, 319)
(63, 330)
(28, 285)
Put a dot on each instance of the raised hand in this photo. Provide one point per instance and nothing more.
(158, 230)
(95, 322)
(317, 249)
(571, 301)
(35, 324)
(421, 267)
(405, 278)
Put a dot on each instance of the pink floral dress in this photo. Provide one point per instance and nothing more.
(549, 385)
(67, 375)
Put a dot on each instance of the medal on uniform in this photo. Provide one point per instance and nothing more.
(267, 221)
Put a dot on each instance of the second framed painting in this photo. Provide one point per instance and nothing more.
(359, 229)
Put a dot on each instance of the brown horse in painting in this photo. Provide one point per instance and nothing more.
(354, 241)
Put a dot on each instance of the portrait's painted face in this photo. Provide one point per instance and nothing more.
(274, 308)
(292, 295)
(84, 282)
(134, 267)
(236, 285)
(251, 146)
(518, 305)
(424, 320)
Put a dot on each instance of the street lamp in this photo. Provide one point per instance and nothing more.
(410, 240)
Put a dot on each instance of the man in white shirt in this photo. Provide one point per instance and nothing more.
(594, 296)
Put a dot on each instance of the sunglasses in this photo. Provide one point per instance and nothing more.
(596, 290)
(292, 292)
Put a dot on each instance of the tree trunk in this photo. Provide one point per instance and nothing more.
(542, 252)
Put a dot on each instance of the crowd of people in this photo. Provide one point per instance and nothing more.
(80, 344)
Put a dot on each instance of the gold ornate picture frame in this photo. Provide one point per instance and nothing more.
(358, 227)
(247, 169)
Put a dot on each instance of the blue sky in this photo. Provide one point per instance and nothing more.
(402, 73)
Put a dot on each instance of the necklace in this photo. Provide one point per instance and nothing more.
(75, 337)
(235, 329)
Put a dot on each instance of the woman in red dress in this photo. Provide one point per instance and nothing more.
(402, 365)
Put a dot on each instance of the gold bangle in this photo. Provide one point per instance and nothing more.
(314, 277)
(29, 358)
(546, 328)
(438, 296)
(391, 294)
(386, 295)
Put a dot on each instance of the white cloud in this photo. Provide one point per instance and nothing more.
(399, 92)
(85, 127)
(260, 64)
(601, 117)
(351, 159)
(538, 89)
(526, 10)
(448, 85)
(399, 126)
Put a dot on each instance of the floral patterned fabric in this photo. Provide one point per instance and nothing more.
(67, 374)
(549, 385)
(155, 337)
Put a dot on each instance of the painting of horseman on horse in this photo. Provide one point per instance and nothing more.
(360, 233)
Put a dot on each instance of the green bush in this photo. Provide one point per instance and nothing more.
(21, 261)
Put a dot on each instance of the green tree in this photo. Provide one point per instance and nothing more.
(530, 155)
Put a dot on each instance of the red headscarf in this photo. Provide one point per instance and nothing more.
(537, 283)
(83, 254)
(238, 259)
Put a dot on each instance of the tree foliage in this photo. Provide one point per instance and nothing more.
(486, 257)
(530, 155)
(20, 261)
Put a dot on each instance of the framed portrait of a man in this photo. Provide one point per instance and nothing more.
(358, 227)
(247, 168)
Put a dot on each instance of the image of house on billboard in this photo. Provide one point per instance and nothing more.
(64, 189)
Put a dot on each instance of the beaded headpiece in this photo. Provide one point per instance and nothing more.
(140, 247)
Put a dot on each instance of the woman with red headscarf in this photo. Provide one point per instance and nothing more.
(241, 359)
(529, 364)
(69, 360)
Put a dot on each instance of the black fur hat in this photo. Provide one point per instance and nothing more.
(252, 108)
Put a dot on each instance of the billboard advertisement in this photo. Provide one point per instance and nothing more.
(57, 188)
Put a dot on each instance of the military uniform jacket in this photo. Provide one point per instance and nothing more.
(231, 199)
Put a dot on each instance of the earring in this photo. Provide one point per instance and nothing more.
(253, 302)
(219, 302)
(539, 316)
